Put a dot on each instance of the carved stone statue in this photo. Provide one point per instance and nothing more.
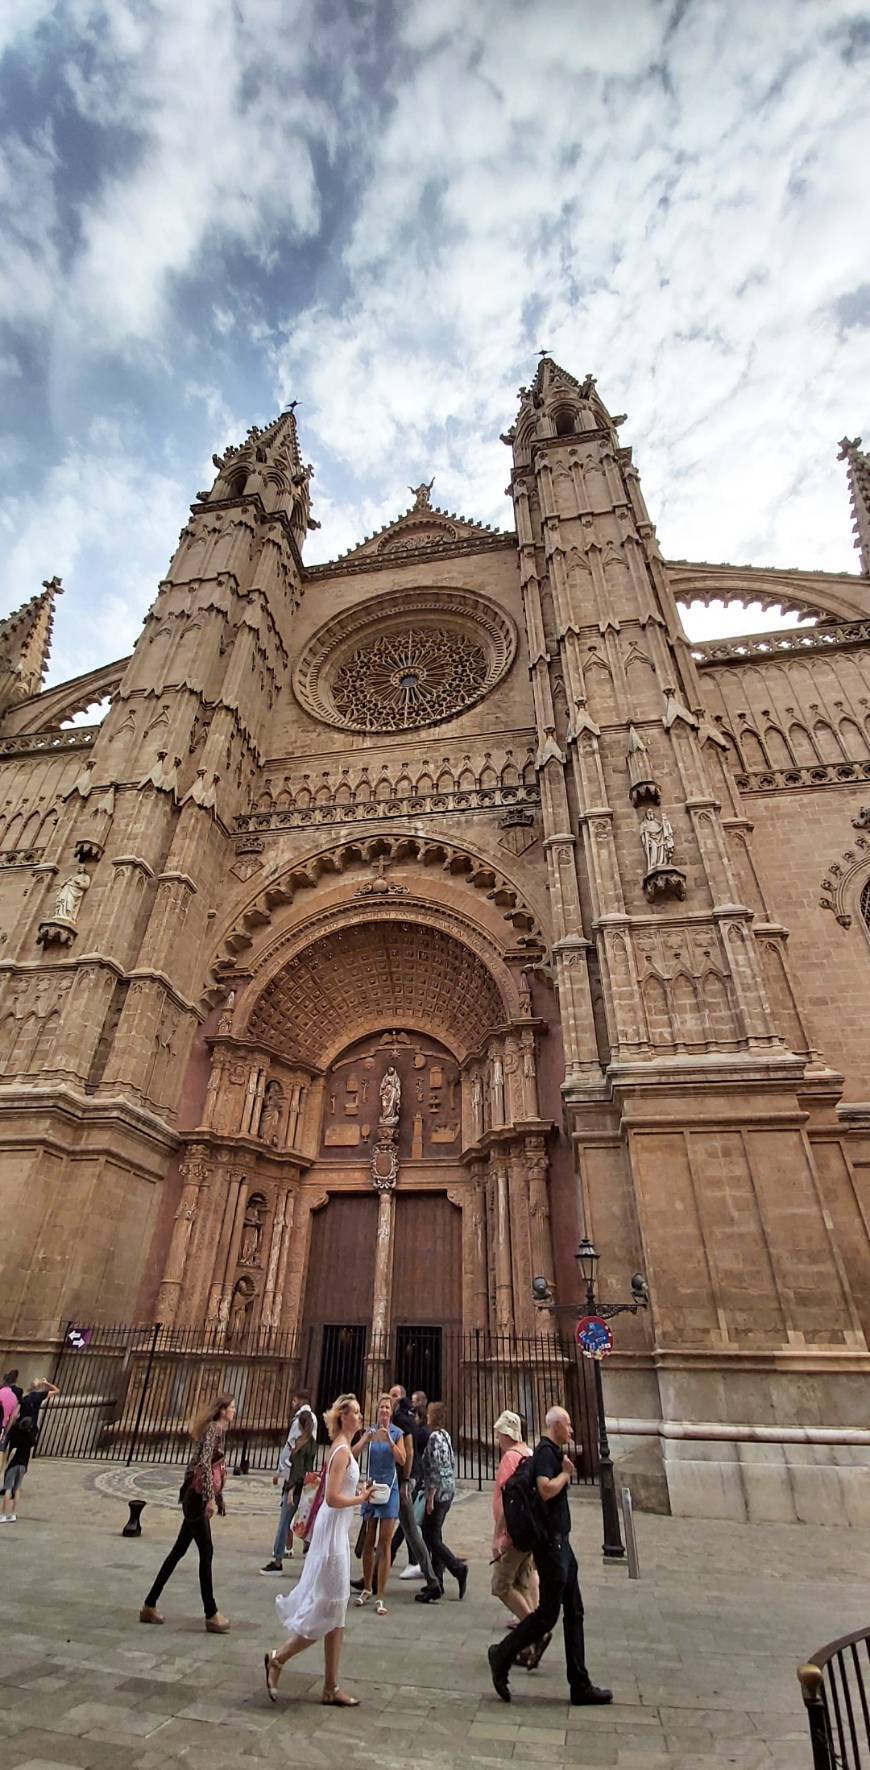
(498, 1089)
(252, 1233)
(391, 1096)
(241, 1305)
(226, 1019)
(423, 494)
(270, 1114)
(657, 837)
(641, 784)
(69, 897)
(477, 1105)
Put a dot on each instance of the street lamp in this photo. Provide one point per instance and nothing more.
(587, 1257)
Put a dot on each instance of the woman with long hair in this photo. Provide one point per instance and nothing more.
(315, 1610)
(201, 1496)
(386, 1464)
(439, 1480)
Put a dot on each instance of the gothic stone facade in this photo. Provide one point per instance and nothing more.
(467, 805)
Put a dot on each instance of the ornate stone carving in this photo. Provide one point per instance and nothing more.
(422, 494)
(387, 972)
(380, 886)
(250, 1250)
(417, 658)
(641, 786)
(60, 927)
(271, 1113)
(662, 878)
(409, 677)
(390, 1097)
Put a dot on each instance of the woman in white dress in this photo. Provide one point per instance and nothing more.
(316, 1608)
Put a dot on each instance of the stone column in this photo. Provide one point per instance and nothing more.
(541, 1240)
(383, 1280)
(194, 1172)
(474, 1230)
(267, 1313)
(503, 1277)
(222, 1284)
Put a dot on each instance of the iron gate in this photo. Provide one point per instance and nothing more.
(127, 1393)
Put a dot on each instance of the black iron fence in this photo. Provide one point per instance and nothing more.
(834, 1686)
(127, 1393)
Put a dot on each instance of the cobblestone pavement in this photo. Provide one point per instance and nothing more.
(700, 1652)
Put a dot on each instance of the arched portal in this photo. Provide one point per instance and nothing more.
(374, 1081)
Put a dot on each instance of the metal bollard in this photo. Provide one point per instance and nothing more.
(133, 1526)
(630, 1538)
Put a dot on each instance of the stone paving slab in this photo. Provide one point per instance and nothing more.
(700, 1652)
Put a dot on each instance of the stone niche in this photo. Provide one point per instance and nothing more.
(431, 1116)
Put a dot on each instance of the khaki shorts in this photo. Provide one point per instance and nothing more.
(512, 1572)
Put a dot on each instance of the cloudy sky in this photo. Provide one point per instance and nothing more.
(383, 208)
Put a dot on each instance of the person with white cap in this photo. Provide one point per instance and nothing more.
(514, 1576)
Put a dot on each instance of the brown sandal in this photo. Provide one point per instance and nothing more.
(271, 1665)
(338, 1700)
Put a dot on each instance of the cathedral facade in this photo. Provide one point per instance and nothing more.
(411, 916)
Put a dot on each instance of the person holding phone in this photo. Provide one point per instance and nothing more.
(201, 1496)
(316, 1609)
(386, 1463)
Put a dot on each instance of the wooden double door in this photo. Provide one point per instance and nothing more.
(425, 1293)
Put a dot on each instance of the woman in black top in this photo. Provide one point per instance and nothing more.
(201, 1496)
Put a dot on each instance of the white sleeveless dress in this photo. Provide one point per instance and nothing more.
(318, 1601)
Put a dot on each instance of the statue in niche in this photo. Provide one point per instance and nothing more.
(69, 897)
(226, 1019)
(270, 1113)
(391, 1097)
(241, 1305)
(525, 996)
(498, 1089)
(252, 1231)
(657, 837)
(477, 1105)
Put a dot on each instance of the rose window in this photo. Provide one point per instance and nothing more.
(409, 678)
(412, 658)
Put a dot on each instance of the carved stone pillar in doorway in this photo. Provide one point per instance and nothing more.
(281, 1230)
(503, 1276)
(383, 1278)
(194, 1173)
(537, 1167)
(474, 1239)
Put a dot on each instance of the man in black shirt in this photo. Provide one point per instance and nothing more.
(551, 1471)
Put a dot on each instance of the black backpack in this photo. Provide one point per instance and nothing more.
(523, 1515)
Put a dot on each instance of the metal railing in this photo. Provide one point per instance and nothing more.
(834, 1686)
(128, 1392)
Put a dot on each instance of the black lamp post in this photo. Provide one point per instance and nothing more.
(587, 1258)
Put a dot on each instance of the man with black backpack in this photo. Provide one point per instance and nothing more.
(538, 1516)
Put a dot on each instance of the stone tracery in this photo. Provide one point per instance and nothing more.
(409, 677)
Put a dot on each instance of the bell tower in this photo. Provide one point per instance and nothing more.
(682, 1090)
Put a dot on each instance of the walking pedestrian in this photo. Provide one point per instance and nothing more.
(20, 1440)
(316, 1609)
(439, 1478)
(10, 1402)
(295, 1462)
(32, 1402)
(420, 1561)
(550, 1473)
(386, 1460)
(201, 1496)
(514, 1579)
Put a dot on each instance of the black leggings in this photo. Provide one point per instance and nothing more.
(195, 1528)
(433, 1523)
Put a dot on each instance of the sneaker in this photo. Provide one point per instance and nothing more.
(499, 1675)
(589, 1693)
(412, 1572)
(273, 1567)
(11, 1518)
(429, 1595)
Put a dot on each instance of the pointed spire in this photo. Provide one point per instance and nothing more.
(556, 403)
(25, 643)
(858, 472)
(269, 463)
